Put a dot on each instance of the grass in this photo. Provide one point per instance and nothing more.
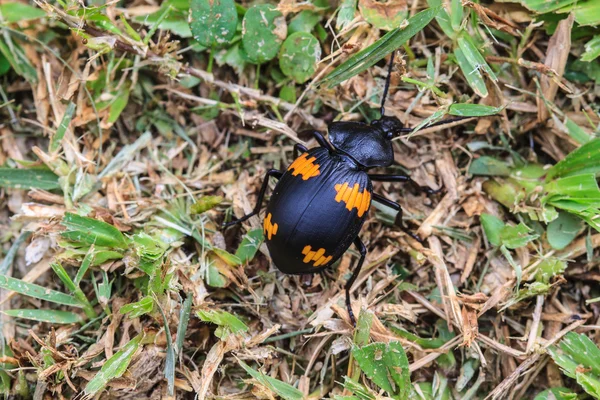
(129, 133)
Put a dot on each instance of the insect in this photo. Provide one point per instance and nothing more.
(321, 201)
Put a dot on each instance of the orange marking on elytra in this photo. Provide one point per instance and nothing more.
(353, 197)
(269, 228)
(305, 167)
(318, 257)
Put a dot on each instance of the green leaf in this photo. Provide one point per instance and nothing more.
(299, 56)
(50, 316)
(585, 159)
(387, 17)
(488, 166)
(579, 358)
(228, 323)
(471, 73)
(19, 12)
(592, 49)
(492, 226)
(345, 13)
(473, 110)
(386, 365)
(280, 388)
(91, 231)
(114, 367)
(575, 131)
(304, 21)
(38, 292)
(213, 22)
(559, 393)
(288, 93)
(28, 178)
(545, 6)
(563, 230)
(548, 268)
(226, 256)
(249, 245)
(585, 12)
(62, 128)
(205, 203)
(118, 104)
(4, 65)
(263, 31)
(139, 308)
(514, 237)
(368, 57)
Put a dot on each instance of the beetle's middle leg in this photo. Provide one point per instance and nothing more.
(261, 195)
(401, 178)
(398, 221)
(363, 252)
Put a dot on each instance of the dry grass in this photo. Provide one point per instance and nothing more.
(451, 301)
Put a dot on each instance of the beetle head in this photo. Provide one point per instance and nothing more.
(389, 126)
(369, 145)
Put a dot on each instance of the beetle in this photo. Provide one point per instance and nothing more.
(322, 199)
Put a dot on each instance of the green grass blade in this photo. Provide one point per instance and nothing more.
(366, 58)
(471, 73)
(28, 178)
(282, 389)
(184, 318)
(473, 110)
(12, 252)
(113, 368)
(170, 357)
(38, 292)
(50, 316)
(585, 159)
(62, 128)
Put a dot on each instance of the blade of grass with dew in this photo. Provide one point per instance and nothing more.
(12, 252)
(62, 128)
(361, 338)
(386, 365)
(228, 323)
(50, 316)
(38, 292)
(170, 357)
(585, 159)
(282, 389)
(473, 110)
(184, 318)
(73, 288)
(368, 57)
(113, 368)
(471, 73)
(85, 265)
(92, 231)
(28, 178)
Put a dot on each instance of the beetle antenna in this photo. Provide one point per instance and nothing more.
(444, 122)
(387, 83)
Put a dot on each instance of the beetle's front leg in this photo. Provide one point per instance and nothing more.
(398, 221)
(263, 189)
(299, 148)
(363, 252)
(319, 138)
(401, 178)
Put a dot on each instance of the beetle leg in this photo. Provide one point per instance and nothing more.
(401, 178)
(263, 189)
(320, 139)
(398, 221)
(363, 252)
(299, 148)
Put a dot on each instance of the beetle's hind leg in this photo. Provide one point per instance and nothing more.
(402, 178)
(398, 221)
(261, 195)
(363, 252)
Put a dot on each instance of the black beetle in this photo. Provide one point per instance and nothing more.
(321, 201)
